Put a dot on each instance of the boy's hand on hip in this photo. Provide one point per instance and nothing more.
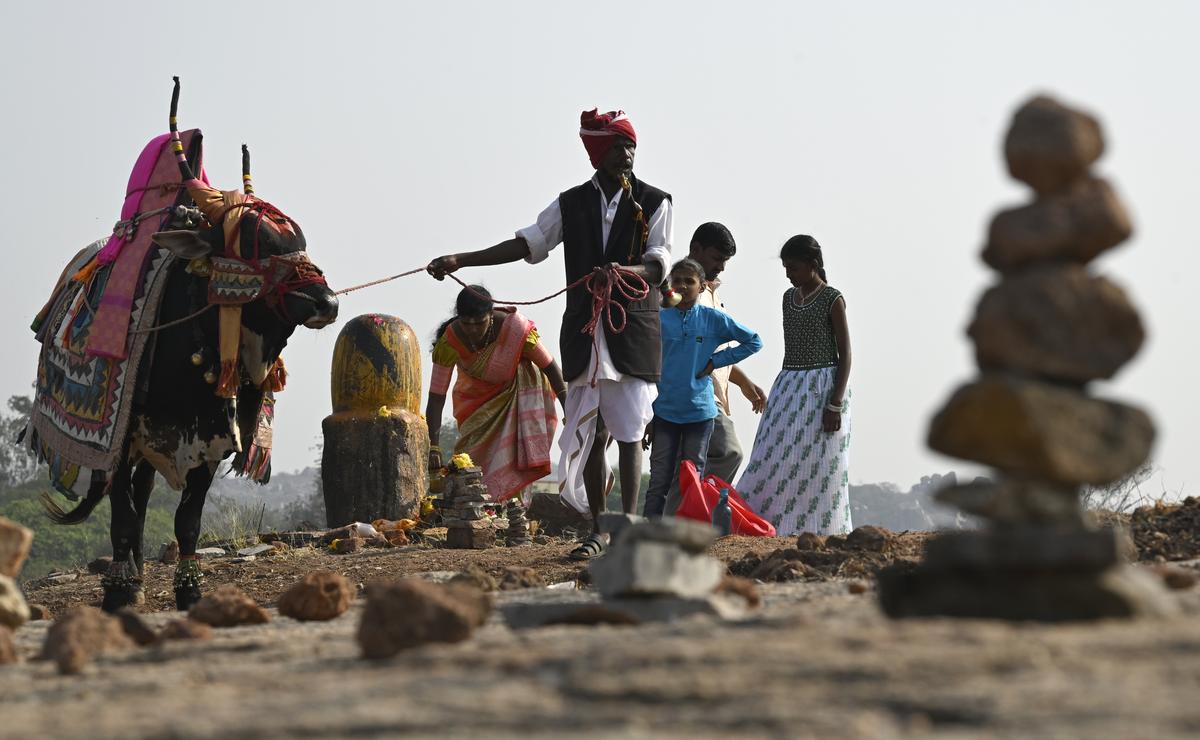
(708, 370)
(831, 421)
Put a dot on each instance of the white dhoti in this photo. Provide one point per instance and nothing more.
(624, 402)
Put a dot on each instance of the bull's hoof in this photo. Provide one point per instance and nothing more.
(120, 593)
(186, 597)
(187, 584)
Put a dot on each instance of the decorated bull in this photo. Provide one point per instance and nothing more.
(161, 352)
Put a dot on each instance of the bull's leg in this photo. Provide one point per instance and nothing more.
(142, 485)
(123, 584)
(187, 532)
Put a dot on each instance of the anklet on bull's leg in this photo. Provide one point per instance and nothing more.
(122, 586)
(188, 579)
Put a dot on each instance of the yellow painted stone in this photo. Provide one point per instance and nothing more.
(376, 367)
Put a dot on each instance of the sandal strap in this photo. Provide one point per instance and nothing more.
(592, 546)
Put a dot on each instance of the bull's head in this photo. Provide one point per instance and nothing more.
(255, 259)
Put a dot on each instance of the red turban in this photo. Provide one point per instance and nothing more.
(600, 130)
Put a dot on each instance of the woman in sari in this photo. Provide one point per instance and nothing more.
(504, 396)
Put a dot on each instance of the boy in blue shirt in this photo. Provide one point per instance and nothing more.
(685, 407)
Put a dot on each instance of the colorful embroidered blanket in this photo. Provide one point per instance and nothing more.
(93, 334)
(83, 403)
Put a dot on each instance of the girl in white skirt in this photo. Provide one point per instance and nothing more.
(797, 477)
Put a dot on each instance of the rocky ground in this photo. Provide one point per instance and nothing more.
(818, 659)
(266, 577)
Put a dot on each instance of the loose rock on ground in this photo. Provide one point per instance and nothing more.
(408, 613)
(80, 635)
(317, 597)
(228, 606)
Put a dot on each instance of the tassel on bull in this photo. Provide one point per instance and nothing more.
(220, 209)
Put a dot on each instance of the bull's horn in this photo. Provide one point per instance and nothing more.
(209, 200)
(247, 183)
(185, 170)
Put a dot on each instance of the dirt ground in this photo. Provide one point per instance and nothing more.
(818, 660)
(266, 577)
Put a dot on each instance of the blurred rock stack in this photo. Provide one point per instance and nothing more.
(518, 526)
(462, 508)
(1042, 333)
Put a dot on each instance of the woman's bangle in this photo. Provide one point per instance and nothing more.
(836, 408)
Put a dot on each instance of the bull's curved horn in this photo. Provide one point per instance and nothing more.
(208, 200)
(247, 183)
(185, 170)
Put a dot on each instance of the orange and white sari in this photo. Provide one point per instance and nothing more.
(502, 402)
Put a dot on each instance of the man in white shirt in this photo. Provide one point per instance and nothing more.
(713, 246)
(613, 218)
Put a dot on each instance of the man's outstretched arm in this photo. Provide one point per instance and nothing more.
(506, 251)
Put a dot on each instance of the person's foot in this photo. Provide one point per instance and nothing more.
(591, 548)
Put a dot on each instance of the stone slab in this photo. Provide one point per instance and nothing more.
(1121, 592)
(528, 615)
(211, 552)
(1025, 548)
(465, 524)
(691, 536)
(655, 568)
(255, 550)
(293, 539)
(469, 538)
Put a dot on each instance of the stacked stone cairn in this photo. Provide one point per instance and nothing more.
(1042, 333)
(518, 526)
(464, 497)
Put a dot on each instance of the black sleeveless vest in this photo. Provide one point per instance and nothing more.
(636, 351)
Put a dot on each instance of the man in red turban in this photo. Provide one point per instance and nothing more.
(613, 218)
(600, 131)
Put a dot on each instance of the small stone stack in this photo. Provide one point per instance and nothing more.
(518, 526)
(462, 507)
(1044, 331)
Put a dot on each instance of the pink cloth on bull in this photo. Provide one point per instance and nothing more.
(153, 184)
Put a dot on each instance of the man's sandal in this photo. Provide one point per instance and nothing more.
(590, 549)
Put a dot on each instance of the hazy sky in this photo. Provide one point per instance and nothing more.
(395, 132)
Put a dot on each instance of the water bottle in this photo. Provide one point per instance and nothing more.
(722, 519)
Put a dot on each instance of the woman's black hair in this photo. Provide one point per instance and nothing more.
(473, 302)
(803, 248)
(687, 264)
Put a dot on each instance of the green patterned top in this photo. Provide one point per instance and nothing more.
(808, 340)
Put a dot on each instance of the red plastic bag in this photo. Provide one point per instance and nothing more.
(697, 499)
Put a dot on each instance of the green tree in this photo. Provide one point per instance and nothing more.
(447, 438)
(17, 463)
(59, 547)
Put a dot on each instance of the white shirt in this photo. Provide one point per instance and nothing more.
(546, 233)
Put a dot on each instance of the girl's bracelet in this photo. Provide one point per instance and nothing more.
(836, 408)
